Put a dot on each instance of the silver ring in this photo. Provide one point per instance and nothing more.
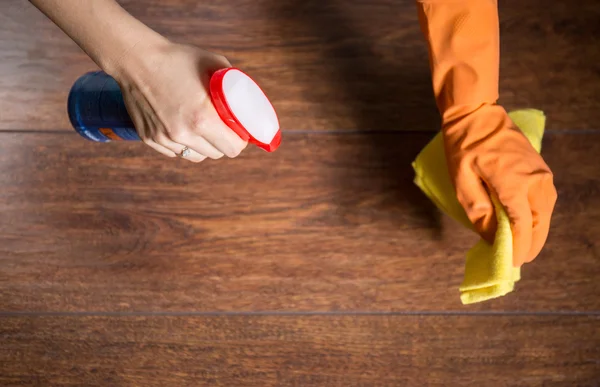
(185, 152)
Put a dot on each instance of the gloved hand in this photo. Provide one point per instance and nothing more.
(486, 153)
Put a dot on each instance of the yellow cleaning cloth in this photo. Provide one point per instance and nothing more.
(489, 272)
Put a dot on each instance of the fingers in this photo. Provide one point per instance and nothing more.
(159, 148)
(206, 134)
(186, 116)
(530, 213)
(202, 146)
(198, 144)
(207, 124)
(521, 224)
(543, 199)
(171, 145)
(529, 208)
(177, 149)
(475, 199)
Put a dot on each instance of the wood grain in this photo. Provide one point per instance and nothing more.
(327, 65)
(327, 223)
(301, 351)
(115, 263)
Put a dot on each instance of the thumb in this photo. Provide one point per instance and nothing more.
(521, 223)
(475, 199)
(542, 198)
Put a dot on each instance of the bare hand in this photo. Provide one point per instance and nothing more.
(166, 93)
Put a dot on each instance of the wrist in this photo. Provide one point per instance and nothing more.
(477, 120)
(458, 112)
(137, 56)
(118, 41)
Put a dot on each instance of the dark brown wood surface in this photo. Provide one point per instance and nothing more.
(330, 222)
(327, 65)
(319, 265)
(301, 351)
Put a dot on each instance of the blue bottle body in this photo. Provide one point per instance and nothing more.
(97, 110)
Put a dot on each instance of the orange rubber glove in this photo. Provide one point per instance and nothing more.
(486, 153)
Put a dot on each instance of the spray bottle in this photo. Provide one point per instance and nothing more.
(98, 113)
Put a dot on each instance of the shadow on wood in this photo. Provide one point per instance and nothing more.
(377, 95)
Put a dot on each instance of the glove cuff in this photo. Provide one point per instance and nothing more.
(463, 38)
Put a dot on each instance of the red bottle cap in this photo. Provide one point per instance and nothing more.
(245, 108)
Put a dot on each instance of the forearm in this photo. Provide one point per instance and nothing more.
(463, 39)
(104, 30)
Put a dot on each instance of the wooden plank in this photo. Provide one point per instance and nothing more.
(301, 351)
(327, 223)
(338, 64)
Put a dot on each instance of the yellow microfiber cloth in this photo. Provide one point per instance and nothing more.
(489, 272)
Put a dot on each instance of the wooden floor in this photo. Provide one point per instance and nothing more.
(318, 265)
